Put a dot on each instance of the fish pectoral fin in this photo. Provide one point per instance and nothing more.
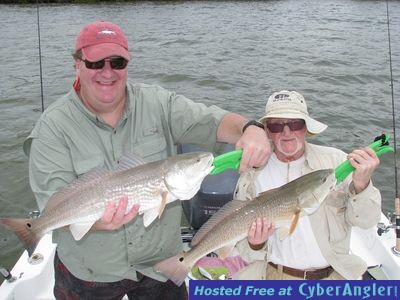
(284, 232)
(164, 196)
(149, 216)
(224, 251)
(78, 230)
(295, 220)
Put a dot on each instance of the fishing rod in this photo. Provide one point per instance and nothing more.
(395, 249)
(33, 214)
(40, 54)
(5, 273)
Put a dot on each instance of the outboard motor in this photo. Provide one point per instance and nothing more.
(215, 191)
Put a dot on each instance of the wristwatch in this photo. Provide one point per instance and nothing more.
(253, 122)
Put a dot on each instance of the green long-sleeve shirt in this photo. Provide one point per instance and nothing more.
(69, 140)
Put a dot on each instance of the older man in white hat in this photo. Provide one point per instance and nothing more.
(319, 246)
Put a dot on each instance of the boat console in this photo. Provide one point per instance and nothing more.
(215, 191)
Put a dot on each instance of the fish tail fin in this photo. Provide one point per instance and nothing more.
(22, 228)
(174, 268)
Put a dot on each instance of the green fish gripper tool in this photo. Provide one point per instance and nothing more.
(229, 160)
(380, 146)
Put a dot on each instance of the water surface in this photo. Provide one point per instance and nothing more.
(230, 53)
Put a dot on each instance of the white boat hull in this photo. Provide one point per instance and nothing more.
(377, 250)
(35, 281)
(32, 280)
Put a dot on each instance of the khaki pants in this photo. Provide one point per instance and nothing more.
(256, 271)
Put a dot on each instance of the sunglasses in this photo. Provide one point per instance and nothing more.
(116, 63)
(293, 126)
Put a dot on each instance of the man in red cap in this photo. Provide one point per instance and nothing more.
(102, 117)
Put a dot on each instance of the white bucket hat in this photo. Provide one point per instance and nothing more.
(291, 105)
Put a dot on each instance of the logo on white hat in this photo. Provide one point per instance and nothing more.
(280, 97)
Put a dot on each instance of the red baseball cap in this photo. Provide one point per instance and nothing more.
(102, 39)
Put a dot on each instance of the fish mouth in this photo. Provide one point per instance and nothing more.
(211, 168)
(210, 165)
(206, 168)
(192, 177)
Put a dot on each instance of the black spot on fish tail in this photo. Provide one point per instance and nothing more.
(23, 229)
(174, 268)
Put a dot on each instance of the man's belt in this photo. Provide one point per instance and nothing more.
(312, 274)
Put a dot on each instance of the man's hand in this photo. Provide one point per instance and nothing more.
(259, 232)
(256, 148)
(365, 161)
(114, 216)
(254, 140)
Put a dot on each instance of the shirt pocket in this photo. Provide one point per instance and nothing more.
(336, 206)
(151, 147)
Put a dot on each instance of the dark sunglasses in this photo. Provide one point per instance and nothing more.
(116, 63)
(293, 126)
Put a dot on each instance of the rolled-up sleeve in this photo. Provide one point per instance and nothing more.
(192, 122)
(364, 209)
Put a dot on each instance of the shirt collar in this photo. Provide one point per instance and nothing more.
(93, 117)
(310, 157)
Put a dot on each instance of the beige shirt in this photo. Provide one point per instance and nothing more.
(68, 141)
(332, 222)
